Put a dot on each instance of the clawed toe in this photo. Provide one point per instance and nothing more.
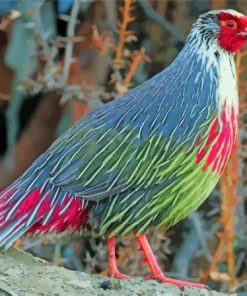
(180, 284)
(118, 275)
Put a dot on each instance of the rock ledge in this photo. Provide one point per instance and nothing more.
(21, 274)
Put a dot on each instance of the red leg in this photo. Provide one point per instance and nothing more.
(156, 272)
(112, 265)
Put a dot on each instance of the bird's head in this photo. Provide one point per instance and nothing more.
(227, 28)
(233, 30)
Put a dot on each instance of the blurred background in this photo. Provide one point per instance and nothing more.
(61, 59)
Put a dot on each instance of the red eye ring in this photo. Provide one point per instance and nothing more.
(231, 24)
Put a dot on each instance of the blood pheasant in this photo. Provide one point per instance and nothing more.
(147, 159)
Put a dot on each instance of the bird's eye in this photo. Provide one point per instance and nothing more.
(229, 24)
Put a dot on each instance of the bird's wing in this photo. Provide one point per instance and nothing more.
(128, 144)
(97, 163)
(111, 150)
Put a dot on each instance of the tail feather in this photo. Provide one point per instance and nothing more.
(25, 208)
(9, 234)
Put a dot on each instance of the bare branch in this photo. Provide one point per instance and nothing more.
(165, 24)
(70, 33)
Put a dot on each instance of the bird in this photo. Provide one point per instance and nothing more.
(147, 159)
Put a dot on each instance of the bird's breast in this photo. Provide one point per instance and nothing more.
(219, 144)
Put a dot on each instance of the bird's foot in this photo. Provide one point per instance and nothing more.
(118, 275)
(160, 277)
(112, 264)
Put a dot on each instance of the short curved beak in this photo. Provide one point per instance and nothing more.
(243, 34)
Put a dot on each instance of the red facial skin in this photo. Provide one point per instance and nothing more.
(233, 34)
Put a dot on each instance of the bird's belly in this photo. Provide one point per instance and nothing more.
(159, 206)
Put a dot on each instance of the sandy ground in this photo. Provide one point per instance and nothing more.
(24, 275)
